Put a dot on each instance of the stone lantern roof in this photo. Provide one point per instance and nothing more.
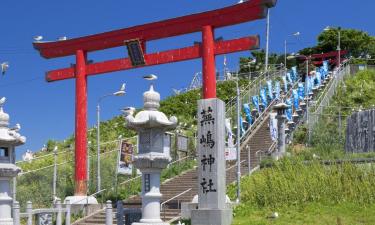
(150, 117)
(9, 136)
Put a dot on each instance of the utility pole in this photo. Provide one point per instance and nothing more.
(98, 177)
(339, 48)
(238, 141)
(285, 55)
(267, 39)
(54, 172)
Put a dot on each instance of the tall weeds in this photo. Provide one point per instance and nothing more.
(293, 183)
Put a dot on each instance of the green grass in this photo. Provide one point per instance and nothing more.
(312, 213)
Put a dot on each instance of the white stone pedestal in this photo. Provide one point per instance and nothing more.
(79, 202)
(211, 216)
(82, 200)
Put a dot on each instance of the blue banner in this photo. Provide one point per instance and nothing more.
(263, 97)
(289, 78)
(301, 91)
(255, 100)
(289, 110)
(322, 72)
(318, 78)
(295, 73)
(247, 110)
(242, 128)
(325, 67)
(285, 82)
(295, 99)
(269, 85)
(277, 90)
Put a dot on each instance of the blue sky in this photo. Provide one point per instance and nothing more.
(46, 110)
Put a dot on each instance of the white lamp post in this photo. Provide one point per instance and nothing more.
(295, 34)
(120, 92)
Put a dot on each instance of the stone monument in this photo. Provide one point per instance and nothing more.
(9, 139)
(151, 125)
(212, 207)
(360, 132)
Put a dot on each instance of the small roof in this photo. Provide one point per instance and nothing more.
(9, 136)
(150, 117)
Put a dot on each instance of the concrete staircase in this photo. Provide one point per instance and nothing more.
(258, 140)
(97, 218)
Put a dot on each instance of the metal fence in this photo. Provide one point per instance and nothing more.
(316, 109)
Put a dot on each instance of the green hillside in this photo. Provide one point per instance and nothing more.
(37, 186)
(313, 193)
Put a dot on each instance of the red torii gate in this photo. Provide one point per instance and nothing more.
(332, 57)
(204, 22)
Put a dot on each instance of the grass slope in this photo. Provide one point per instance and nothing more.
(313, 193)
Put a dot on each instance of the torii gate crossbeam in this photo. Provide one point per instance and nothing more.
(204, 22)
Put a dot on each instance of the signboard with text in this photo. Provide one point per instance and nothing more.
(125, 165)
(211, 156)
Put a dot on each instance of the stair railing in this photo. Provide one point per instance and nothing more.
(162, 208)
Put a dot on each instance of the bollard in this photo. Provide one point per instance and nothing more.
(29, 211)
(16, 213)
(108, 213)
(58, 216)
(67, 215)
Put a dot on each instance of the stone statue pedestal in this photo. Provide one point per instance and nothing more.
(211, 216)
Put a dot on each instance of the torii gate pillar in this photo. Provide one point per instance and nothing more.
(208, 62)
(81, 125)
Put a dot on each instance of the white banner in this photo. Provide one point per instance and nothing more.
(230, 150)
(273, 126)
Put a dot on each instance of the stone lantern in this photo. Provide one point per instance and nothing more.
(281, 117)
(151, 125)
(9, 139)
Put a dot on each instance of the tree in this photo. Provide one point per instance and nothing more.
(359, 43)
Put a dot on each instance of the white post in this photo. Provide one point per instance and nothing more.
(59, 213)
(285, 56)
(54, 172)
(267, 39)
(108, 213)
(29, 211)
(248, 158)
(16, 213)
(238, 142)
(98, 178)
(339, 49)
(67, 215)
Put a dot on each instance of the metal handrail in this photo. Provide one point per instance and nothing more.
(174, 197)
(87, 197)
(231, 167)
(171, 163)
(179, 160)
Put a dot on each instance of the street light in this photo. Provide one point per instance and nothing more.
(120, 92)
(294, 34)
(328, 28)
(238, 140)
